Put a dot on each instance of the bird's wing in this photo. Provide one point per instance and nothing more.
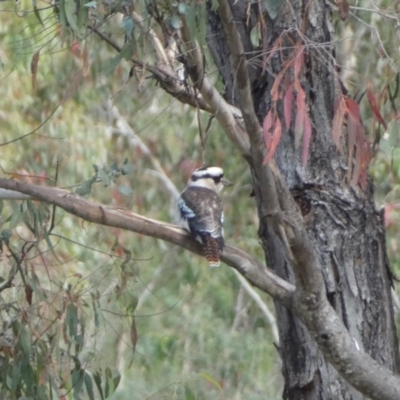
(202, 207)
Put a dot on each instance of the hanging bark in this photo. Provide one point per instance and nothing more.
(345, 228)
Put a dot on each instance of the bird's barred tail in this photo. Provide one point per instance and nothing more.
(212, 248)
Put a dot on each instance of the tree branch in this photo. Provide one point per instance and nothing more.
(270, 207)
(261, 304)
(155, 41)
(274, 193)
(220, 108)
(126, 130)
(242, 77)
(311, 304)
(12, 195)
(167, 80)
(344, 352)
(249, 267)
(340, 348)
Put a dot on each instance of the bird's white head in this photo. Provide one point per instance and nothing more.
(209, 177)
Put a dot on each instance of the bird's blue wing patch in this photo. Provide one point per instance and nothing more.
(185, 211)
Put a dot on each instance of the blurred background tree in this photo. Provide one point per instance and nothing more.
(94, 312)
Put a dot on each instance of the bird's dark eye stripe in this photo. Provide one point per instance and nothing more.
(217, 178)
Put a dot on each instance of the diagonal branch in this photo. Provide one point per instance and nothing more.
(242, 79)
(126, 130)
(220, 108)
(311, 304)
(155, 41)
(270, 204)
(249, 267)
(167, 80)
(345, 354)
(261, 304)
(274, 193)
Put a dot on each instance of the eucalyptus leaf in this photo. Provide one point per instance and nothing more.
(72, 320)
(176, 22)
(182, 8)
(126, 169)
(25, 340)
(255, 36)
(110, 65)
(125, 190)
(105, 178)
(16, 218)
(62, 14)
(107, 389)
(214, 5)
(69, 7)
(189, 395)
(6, 235)
(82, 18)
(127, 25)
(89, 385)
(272, 7)
(114, 167)
(390, 139)
(127, 51)
(97, 381)
(85, 188)
(77, 383)
(49, 242)
(132, 305)
(116, 380)
(36, 12)
(96, 311)
(92, 4)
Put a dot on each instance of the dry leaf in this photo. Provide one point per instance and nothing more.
(34, 67)
(343, 7)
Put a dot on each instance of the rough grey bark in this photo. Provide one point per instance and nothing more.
(342, 221)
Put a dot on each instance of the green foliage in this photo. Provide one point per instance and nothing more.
(272, 7)
(76, 286)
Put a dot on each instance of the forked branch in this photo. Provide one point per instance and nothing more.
(311, 304)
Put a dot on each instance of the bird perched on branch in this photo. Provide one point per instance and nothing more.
(200, 210)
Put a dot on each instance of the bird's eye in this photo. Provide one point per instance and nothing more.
(217, 179)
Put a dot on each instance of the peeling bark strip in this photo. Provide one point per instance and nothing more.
(341, 239)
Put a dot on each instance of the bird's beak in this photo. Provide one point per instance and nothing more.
(225, 182)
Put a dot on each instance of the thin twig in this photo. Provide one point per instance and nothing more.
(53, 214)
(220, 108)
(251, 268)
(8, 283)
(155, 41)
(126, 130)
(18, 264)
(167, 79)
(32, 132)
(261, 304)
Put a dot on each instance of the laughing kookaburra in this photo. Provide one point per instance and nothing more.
(200, 210)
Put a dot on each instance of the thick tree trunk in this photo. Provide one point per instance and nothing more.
(343, 223)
